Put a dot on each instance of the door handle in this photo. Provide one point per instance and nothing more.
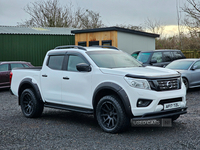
(44, 75)
(65, 78)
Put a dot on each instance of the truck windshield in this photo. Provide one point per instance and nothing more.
(113, 59)
(143, 57)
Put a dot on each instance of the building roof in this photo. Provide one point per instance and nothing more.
(116, 29)
(35, 30)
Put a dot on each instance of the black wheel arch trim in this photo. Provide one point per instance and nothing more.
(118, 90)
(28, 81)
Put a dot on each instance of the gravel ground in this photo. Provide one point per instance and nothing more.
(57, 129)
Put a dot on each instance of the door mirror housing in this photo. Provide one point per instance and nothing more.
(194, 67)
(153, 61)
(83, 67)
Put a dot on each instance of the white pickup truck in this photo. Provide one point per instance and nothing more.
(105, 82)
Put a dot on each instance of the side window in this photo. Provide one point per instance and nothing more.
(157, 56)
(167, 57)
(55, 62)
(197, 65)
(25, 65)
(16, 66)
(177, 55)
(73, 60)
(3, 67)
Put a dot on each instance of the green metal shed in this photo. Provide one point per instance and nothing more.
(31, 44)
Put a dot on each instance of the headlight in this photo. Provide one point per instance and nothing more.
(138, 83)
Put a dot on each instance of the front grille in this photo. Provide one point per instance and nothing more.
(165, 84)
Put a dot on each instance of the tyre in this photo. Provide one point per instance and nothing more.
(30, 106)
(175, 117)
(185, 81)
(110, 115)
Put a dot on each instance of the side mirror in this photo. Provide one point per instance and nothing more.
(194, 67)
(83, 67)
(153, 61)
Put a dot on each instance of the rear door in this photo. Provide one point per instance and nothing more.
(167, 58)
(51, 79)
(4, 75)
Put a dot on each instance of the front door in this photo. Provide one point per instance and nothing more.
(76, 86)
(195, 74)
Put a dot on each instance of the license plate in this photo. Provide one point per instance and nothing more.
(172, 105)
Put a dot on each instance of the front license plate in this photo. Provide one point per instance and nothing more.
(172, 105)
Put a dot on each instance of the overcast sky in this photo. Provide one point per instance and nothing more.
(112, 12)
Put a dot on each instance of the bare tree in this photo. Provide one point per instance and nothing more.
(51, 14)
(87, 19)
(154, 26)
(48, 14)
(192, 20)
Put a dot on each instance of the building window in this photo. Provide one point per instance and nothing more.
(82, 44)
(107, 43)
(91, 43)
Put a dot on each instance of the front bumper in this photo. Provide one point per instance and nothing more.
(162, 114)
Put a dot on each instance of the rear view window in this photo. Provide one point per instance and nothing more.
(55, 62)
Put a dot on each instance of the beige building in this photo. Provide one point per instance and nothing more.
(124, 39)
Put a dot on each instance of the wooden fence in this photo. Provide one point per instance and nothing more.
(191, 53)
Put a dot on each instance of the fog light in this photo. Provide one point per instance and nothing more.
(143, 102)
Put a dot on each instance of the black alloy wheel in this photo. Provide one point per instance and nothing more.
(111, 115)
(27, 104)
(30, 106)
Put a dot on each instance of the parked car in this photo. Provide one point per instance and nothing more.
(135, 54)
(190, 70)
(107, 83)
(159, 58)
(5, 69)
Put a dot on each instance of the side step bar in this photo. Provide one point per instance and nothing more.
(69, 108)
